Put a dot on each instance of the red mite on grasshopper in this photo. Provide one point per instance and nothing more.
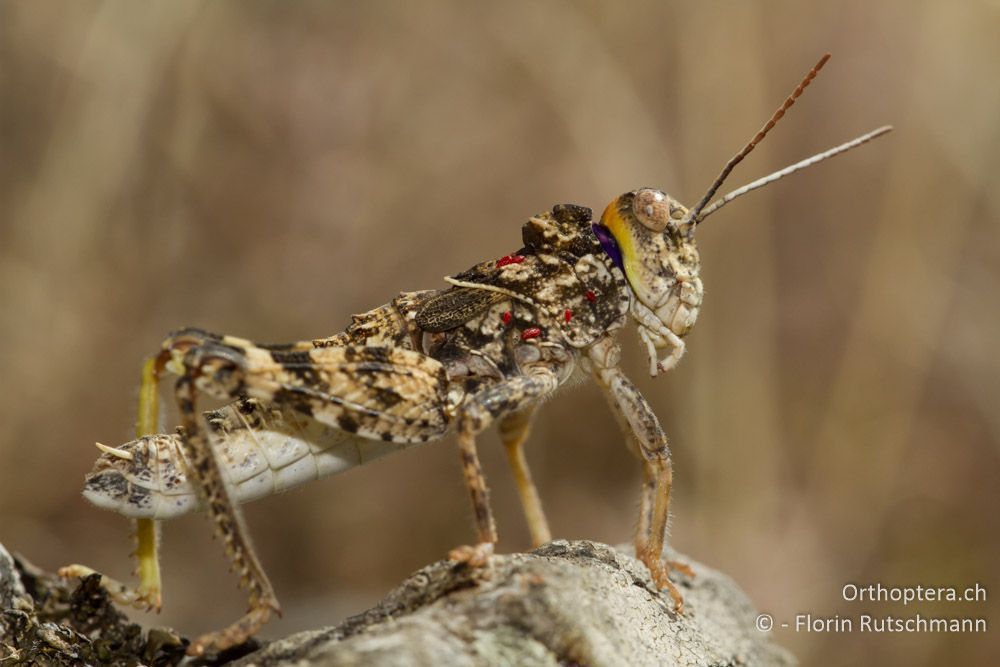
(486, 349)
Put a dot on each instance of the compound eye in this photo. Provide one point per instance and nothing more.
(652, 209)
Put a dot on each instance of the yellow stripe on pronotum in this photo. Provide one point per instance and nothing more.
(616, 224)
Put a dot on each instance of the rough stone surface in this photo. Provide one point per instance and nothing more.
(45, 620)
(567, 604)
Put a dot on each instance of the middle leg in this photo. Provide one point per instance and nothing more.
(497, 401)
(514, 429)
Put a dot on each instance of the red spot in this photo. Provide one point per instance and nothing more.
(531, 332)
(506, 317)
(591, 297)
(509, 259)
(568, 315)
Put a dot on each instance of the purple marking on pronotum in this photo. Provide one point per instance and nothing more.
(609, 244)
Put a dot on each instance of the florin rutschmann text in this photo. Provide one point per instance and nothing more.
(879, 623)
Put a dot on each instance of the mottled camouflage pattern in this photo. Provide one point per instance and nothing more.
(506, 334)
(565, 270)
(262, 448)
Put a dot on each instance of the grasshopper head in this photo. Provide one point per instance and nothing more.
(650, 236)
(659, 258)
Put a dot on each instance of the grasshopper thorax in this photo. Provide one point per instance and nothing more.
(659, 258)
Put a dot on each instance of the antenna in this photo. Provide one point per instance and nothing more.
(808, 162)
(693, 214)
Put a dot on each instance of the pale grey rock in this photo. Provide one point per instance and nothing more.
(563, 605)
(567, 603)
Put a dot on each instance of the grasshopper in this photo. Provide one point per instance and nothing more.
(499, 339)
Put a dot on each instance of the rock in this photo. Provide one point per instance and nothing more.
(567, 603)
(45, 620)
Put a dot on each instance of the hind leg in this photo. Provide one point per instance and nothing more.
(376, 392)
(148, 594)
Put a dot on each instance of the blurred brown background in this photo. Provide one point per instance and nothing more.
(266, 169)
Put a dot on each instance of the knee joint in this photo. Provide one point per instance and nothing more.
(217, 369)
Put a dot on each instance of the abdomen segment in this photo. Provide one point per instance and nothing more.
(262, 450)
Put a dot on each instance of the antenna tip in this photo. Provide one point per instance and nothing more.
(878, 132)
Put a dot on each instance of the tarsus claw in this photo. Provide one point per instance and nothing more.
(476, 555)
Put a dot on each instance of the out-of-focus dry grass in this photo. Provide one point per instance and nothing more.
(267, 169)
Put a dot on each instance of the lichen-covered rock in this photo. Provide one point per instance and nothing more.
(12, 593)
(567, 603)
(45, 620)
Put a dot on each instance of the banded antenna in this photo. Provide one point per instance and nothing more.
(699, 212)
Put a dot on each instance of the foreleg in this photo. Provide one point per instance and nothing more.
(640, 425)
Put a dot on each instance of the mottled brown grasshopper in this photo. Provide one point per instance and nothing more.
(503, 336)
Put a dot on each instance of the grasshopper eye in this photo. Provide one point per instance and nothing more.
(652, 209)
